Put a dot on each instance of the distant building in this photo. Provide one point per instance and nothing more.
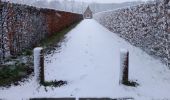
(88, 14)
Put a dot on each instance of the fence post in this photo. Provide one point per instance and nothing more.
(39, 65)
(124, 67)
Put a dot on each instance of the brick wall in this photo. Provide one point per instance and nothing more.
(146, 26)
(23, 27)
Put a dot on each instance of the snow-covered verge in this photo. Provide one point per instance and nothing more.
(89, 60)
(145, 26)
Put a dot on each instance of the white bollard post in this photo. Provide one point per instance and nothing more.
(124, 66)
(39, 65)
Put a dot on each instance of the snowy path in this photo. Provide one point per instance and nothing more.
(89, 61)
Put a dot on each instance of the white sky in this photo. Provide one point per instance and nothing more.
(107, 1)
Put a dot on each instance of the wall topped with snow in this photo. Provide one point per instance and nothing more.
(22, 27)
(146, 26)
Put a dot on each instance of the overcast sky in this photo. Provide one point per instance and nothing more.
(107, 1)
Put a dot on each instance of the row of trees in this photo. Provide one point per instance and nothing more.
(74, 6)
(65, 5)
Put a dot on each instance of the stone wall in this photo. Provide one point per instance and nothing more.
(23, 27)
(146, 26)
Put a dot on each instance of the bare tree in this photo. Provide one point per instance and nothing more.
(72, 5)
(65, 4)
(54, 4)
(82, 7)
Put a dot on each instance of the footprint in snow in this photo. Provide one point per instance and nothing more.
(91, 60)
(75, 91)
(83, 76)
(85, 65)
(86, 52)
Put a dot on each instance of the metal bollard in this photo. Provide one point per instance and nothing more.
(124, 67)
(39, 65)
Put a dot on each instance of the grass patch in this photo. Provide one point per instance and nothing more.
(56, 37)
(18, 72)
(12, 74)
(27, 52)
(54, 83)
(131, 83)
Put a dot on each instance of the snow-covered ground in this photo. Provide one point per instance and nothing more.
(89, 60)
